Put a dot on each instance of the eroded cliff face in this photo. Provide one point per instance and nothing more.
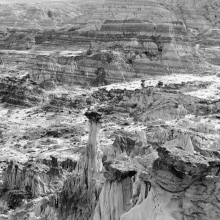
(19, 91)
(184, 186)
(80, 192)
(175, 184)
(50, 68)
(146, 149)
(139, 167)
(71, 195)
(121, 41)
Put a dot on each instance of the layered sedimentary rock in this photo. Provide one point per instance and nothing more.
(49, 69)
(128, 179)
(26, 83)
(184, 185)
(33, 180)
(18, 90)
(153, 198)
(95, 69)
(153, 103)
(147, 37)
(158, 154)
(41, 15)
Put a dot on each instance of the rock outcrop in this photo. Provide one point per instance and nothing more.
(142, 38)
(30, 177)
(128, 180)
(184, 185)
(151, 150)
(49, 69)
(80, 192)
(19, 91)
(116, 195)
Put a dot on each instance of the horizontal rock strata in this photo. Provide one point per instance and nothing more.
(153, 144)
(19, 91)
(150, 37)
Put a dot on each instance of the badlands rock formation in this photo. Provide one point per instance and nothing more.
(109, 110)
(116, 41)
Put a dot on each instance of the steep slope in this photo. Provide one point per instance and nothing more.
(155, 152)
(150, 37)
(72, 146)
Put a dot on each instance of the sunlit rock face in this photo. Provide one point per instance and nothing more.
(160, 169)
(184, 185)
(152, 147)
(97, 69)
(176, 184)
(146, 37)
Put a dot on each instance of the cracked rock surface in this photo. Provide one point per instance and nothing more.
(110, 110)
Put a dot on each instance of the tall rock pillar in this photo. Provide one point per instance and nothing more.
(93, 163)
(81, 191)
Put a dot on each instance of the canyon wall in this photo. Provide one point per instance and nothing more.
(184, 186)
(153, 145)
(166, 168)
(120, 41)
